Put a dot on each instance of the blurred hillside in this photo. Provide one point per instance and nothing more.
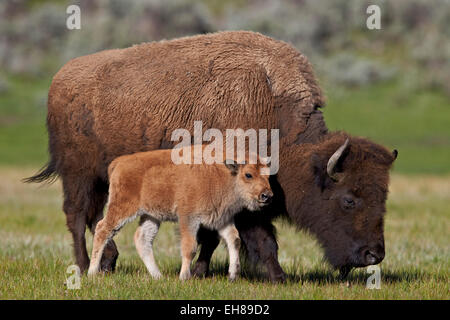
(392, 85)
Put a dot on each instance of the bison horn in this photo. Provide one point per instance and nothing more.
(334, 160)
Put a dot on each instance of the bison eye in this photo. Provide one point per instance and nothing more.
(348, 202)
(248, 176)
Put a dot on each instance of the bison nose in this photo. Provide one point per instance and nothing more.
(266, 196)
(373, 256)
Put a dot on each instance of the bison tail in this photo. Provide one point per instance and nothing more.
(46, 174)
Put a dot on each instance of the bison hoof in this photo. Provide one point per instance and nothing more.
(83, 267)
(343, 272)
(278, 278)
(108, 264)
(200, 269)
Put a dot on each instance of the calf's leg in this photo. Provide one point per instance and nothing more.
(99, 197)
(106, 229)
(103, 232)
(188, 233)
(231, 237)
(143, 239)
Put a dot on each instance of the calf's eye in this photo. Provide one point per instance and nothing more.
(248, 176)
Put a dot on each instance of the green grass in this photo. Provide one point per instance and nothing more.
(35, 252)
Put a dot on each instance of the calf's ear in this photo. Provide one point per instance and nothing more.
(232, 166)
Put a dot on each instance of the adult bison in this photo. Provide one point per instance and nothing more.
(123, 101)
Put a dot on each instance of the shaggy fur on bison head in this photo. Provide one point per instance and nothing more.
(345, 211)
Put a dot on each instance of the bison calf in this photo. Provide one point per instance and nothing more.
(150, 185)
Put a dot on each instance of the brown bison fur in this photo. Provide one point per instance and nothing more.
(124, 101)
(149, 185)
(346, 215)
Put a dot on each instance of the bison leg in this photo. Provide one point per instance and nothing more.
(209, 240)
(84, 199)
(76, 201)
(258, 237)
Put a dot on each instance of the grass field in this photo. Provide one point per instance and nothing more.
(35, 246)
(35, 252)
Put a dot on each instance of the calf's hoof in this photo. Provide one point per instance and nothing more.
(156, 276)
(185, 276)
(233, 277)
(92, 272)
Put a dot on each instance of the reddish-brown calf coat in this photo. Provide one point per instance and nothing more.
(150, 185)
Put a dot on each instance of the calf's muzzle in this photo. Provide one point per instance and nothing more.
(266, 196)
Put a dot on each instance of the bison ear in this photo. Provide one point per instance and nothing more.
(232, 166)
(319, 170)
